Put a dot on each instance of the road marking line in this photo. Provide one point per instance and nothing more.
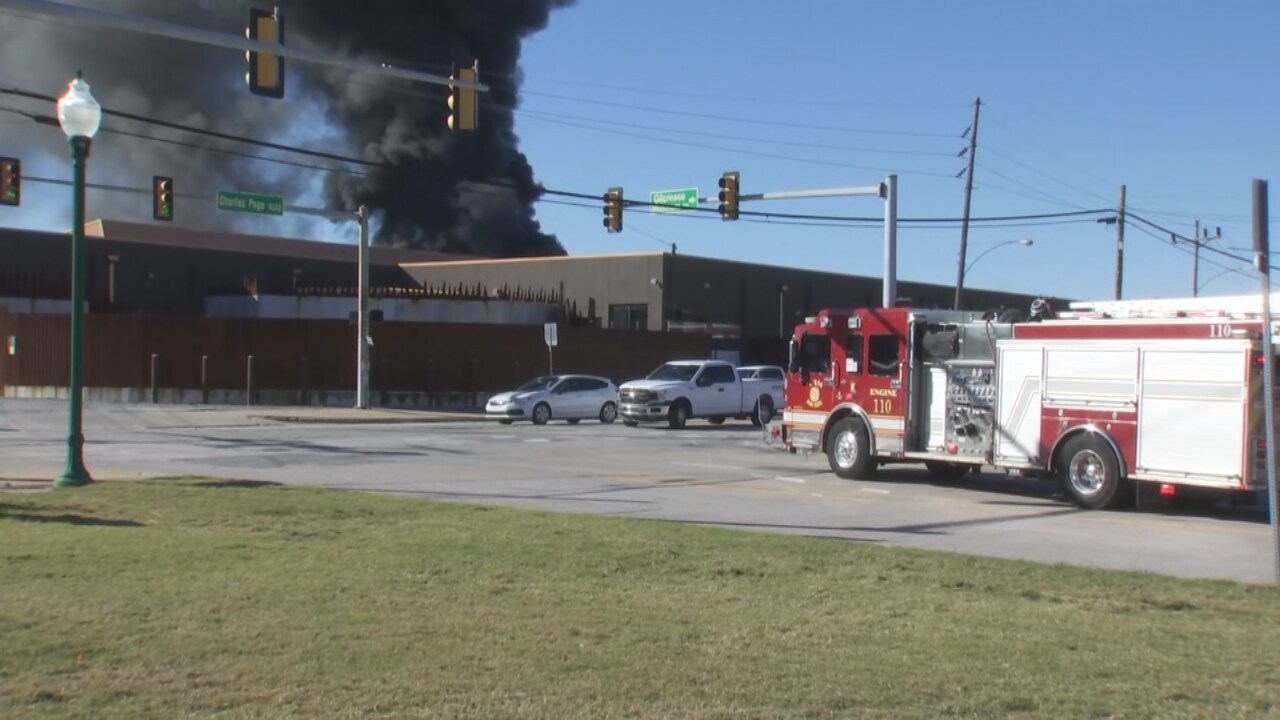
(816, 494)
(877, 491)
(789, 479)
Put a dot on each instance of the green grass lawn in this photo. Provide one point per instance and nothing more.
(201, 598)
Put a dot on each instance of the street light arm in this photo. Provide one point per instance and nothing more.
(1027, 242)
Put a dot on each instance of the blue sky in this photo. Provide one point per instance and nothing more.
(1173, 99)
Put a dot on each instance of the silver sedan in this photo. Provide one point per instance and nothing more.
(557, 397)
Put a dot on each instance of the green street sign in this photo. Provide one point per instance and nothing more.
(679, 200)
(250, 203)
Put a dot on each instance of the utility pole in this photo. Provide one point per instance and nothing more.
(1120, 246)
(968, 195)
(1195, 264)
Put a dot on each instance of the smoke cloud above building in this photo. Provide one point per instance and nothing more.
(468, 192)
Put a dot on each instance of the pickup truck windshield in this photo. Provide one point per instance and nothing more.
(683, 373)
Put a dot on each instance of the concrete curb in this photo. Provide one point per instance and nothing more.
(377, 420)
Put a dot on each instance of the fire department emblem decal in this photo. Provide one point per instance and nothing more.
(815, 393)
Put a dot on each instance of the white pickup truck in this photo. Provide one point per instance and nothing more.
(684, 389)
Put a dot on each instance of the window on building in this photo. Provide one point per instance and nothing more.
(629, 317)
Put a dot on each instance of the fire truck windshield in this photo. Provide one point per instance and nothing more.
(815, 353)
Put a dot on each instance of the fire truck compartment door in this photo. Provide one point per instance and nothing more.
(1193, 410)
(1018, 415)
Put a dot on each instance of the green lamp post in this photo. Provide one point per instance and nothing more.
(79, 115)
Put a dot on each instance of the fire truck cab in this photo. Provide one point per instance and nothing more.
(1102, 397)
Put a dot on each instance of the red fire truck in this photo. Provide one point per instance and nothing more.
(1103, 396)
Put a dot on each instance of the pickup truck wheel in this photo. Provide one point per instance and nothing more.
(716, 420)
(849, 450)
(541, 413)
(678, 415)
(1090, 473)
(762, 413)
(608, 413)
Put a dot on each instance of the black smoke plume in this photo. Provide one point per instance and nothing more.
(455, 192)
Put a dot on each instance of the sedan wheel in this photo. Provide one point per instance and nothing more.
(608, 413)
(541, 414)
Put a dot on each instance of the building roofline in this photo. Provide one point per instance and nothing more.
(540, 258)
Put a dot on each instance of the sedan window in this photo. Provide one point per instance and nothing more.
(539, 384)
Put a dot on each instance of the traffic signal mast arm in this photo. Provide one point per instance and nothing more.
(877, 190)
(160, 28)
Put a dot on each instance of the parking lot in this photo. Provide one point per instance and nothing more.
(716, 475)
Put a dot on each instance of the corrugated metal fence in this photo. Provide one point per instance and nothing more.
(319, 355)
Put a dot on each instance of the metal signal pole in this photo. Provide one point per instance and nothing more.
(1262, 258)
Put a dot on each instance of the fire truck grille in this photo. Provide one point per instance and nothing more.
(636, 396)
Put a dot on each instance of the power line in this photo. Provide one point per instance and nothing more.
(536, 115)
(730, 118)
(740, 151)
(190, 129)
(743, 98)
(1209, 248)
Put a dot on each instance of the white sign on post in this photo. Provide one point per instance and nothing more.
(549, 336)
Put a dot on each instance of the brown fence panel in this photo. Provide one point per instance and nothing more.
(320, 355)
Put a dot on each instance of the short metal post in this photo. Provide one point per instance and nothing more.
(154, 394)
(306, 381)
(248, 394)
(204, 379)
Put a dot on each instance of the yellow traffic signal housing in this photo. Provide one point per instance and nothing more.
(729, 195)
(613, 210)
(162, 198)
(462, 101)
(10, 181)
(266, 70)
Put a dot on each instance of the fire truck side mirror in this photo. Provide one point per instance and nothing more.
(793, 367)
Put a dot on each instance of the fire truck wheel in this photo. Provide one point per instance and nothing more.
(1090, 473)
(541, 414)
(608, 413)
(849, 450)
(678, 415)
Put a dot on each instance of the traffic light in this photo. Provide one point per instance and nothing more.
(613, 210)
(729, 195)
(266, 70)
(462, 101)
(162, 198)
(10, 181)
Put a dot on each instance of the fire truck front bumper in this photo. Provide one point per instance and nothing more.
(644, 412)
(783, 437)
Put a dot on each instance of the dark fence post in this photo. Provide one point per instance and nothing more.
(248, 393)
(154, 394)
(204, 379)
(306, 381)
